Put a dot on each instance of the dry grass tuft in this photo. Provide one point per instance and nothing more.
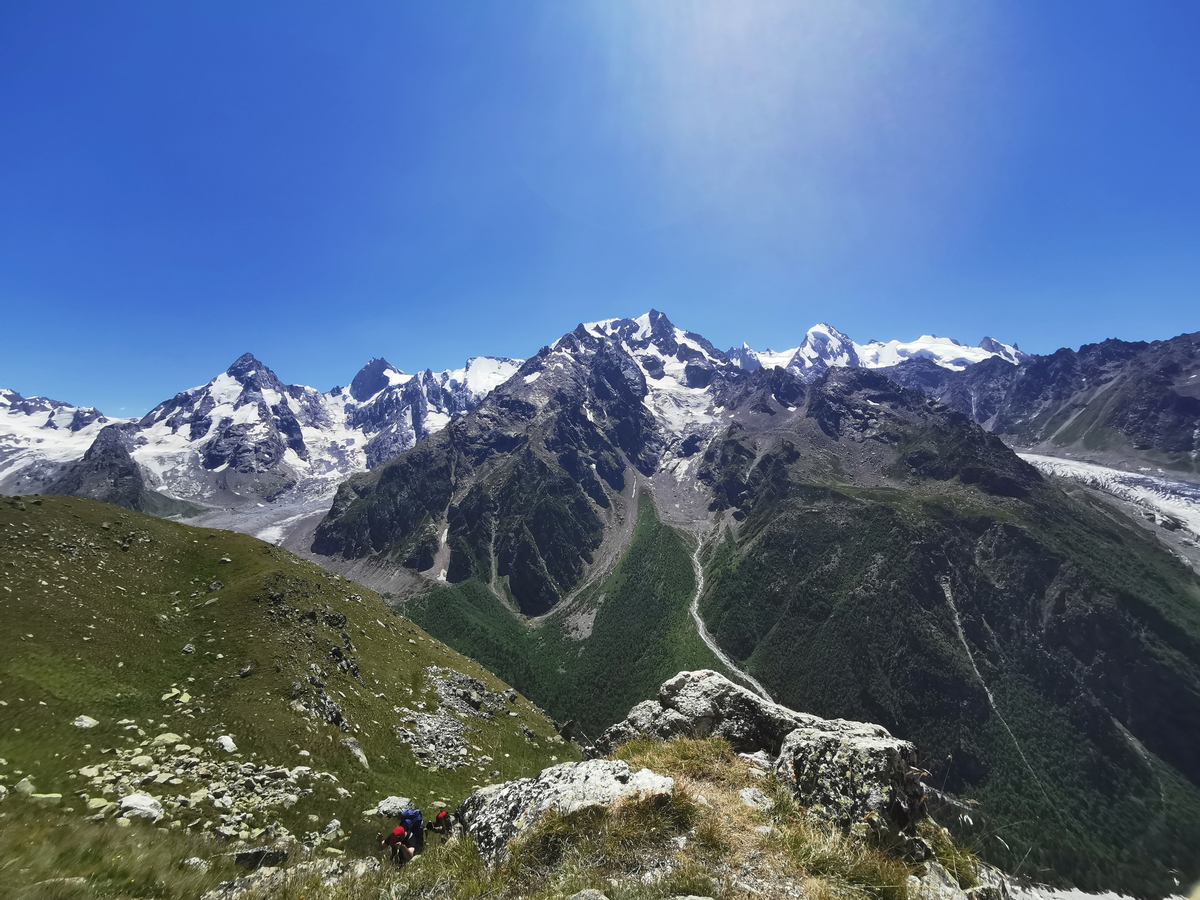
(45, 855)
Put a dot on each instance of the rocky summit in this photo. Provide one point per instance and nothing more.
(848, 773)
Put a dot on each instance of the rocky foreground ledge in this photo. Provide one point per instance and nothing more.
(843, 772)
(853, 776)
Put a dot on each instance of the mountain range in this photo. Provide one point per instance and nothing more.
(245, 438)
(846, 527)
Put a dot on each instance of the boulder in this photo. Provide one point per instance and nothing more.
(85, 722)
(271, 880)
(25, 787)
(140, 806)
(165, 739)
(355, 749)
(704, 703)
(842, 771)
(225, 742)
(496, 814)
(853, 771)
(392, 807)
(257, 857)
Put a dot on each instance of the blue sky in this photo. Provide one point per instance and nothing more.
(322, 183)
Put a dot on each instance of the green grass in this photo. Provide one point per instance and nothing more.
(642, 634)
(98, 603)
(47, 854)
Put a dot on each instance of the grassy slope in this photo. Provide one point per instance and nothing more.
(98, 604)
(642, 633)
(823, 604)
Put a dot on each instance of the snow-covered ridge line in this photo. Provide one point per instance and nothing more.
(824, 347)
(244, 434)
(37, 433)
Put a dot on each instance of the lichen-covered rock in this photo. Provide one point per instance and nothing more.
(496, 814)
(848, 774)
(845, 772)
(703, 703)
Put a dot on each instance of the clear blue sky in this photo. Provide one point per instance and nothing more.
(322, 183)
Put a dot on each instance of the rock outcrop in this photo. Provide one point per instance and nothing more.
(846, 775)
(841, 771)
(494, 815)
(703, 703)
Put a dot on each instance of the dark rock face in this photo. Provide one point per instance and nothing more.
(107, 472)
(370, 380)
(1135, 399)
(531, 471)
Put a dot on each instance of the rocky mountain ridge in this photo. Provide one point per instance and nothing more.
(825, 347)
(1131, 405)
(242, 439)
(861, 549)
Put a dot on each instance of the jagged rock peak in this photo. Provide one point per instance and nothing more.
(372, 378)
(245, 366)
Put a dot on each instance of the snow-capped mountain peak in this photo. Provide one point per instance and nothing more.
(660, 348)
(946, 352)
(377, 375)
(38, 434)
(824, 346)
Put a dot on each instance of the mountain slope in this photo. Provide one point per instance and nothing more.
(1116, 403)
(870, 554)
(1047, 654)
(151, 627)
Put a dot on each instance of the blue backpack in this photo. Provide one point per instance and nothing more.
(411, 820)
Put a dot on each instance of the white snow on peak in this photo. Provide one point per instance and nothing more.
(946, 352)
(483, 374)
(614, 327)
(824, 346)
(36, 433)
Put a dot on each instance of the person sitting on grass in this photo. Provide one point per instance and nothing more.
(400, 844)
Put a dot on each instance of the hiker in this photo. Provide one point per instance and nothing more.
(400, 843)
(442, 824)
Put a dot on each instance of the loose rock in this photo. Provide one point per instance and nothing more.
(142, 806)
(391, 807)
